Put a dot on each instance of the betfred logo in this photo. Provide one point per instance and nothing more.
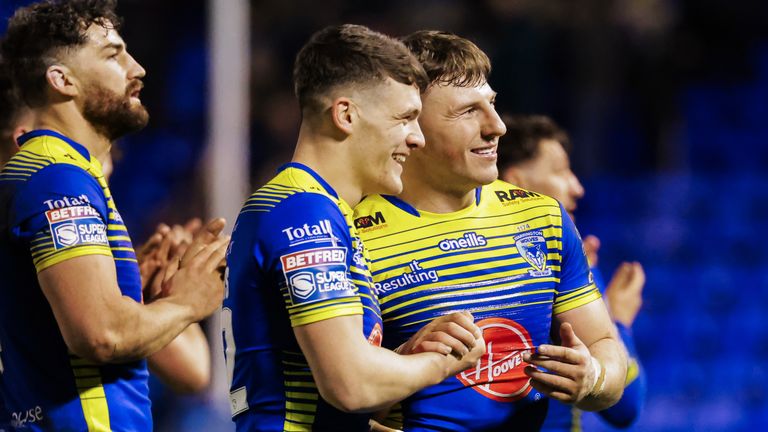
(369, 221)
(58, 215)
(515, 194)
(313, 258)
(499, 373)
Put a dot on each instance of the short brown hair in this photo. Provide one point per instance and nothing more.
(38, 32)
(524, 133)
(351, 54)
(449, 59)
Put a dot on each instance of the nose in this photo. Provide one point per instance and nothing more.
(577, 190)
(135, 70)
(415, 138)
(493, 127)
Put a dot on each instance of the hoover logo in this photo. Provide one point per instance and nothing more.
(499, 373)
(468, 240)
(370, 220)
(532, 246)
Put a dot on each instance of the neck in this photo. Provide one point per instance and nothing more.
(67, 120)
(326, 156)
(433, 197)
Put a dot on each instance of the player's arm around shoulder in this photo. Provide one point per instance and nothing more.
(99, 323)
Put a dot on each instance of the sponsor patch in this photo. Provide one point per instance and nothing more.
(79, 225)
(532, 246)
(416, 275)
(499, 373)
(320, 231)
(370, 221)
(317, 274)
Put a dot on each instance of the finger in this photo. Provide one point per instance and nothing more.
(455, 331)
(552, 392)
(552, 381)
(560, 353)
(171, 269)
(566, 370)
(213, 227)
(431, 346)
(457, 345)
(217, 255)
(193, 226)
(151, 244)
(568, 337)
(465, 321)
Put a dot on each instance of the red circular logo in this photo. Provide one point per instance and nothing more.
(376, 336)
(499, 373)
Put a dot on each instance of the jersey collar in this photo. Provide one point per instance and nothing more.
(46, 132)
(314, 175)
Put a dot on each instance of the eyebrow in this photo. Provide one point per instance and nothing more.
(115, 46)
(413, 112)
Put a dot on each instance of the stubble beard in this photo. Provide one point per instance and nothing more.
(112, 115)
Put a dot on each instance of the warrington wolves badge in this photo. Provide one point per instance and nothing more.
(532, 246)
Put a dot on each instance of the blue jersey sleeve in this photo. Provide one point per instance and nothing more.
(628, 409)
(61, 213)
(305, 243)
(576, 287)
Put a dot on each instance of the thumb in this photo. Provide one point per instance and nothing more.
(568, 338)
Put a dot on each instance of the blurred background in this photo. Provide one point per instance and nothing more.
(666, 103)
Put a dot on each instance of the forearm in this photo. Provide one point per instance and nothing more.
(387, 377)
(184, 364)
(608, 389)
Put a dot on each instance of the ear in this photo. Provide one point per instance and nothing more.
(61, 80)
(19, 131)
(343, 114)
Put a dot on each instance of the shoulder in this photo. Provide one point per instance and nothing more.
(508, 194)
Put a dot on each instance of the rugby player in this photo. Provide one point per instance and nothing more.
(73, 329)
(534, 155)
(184, 364)
(302, 326)
(457, 239)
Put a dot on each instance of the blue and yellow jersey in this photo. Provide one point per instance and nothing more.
(513, 258)
(55, 205)
(567, 418)
(295, 259)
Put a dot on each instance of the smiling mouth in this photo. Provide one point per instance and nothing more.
(488, 151)
(399, 158)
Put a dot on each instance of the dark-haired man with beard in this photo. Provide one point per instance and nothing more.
(73, 330)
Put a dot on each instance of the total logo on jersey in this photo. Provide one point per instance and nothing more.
(72, 226)
(532, 246)
(317, 274)
(467, 241)
(499, 373)
(322, 229)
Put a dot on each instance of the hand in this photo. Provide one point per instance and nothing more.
(195, 279)
(164, 246)
(624, 294)
(591, 247)
(455, 333)
(570, 375)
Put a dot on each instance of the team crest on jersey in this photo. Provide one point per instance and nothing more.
(499, 373)
(532, 246)
(78, 225)
(317, 274)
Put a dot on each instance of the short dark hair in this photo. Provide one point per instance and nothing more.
(37, 33)
(449, 59)
(351, 54)
(10, 108)
(524, 133)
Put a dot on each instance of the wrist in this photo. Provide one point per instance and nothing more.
(598, 383)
